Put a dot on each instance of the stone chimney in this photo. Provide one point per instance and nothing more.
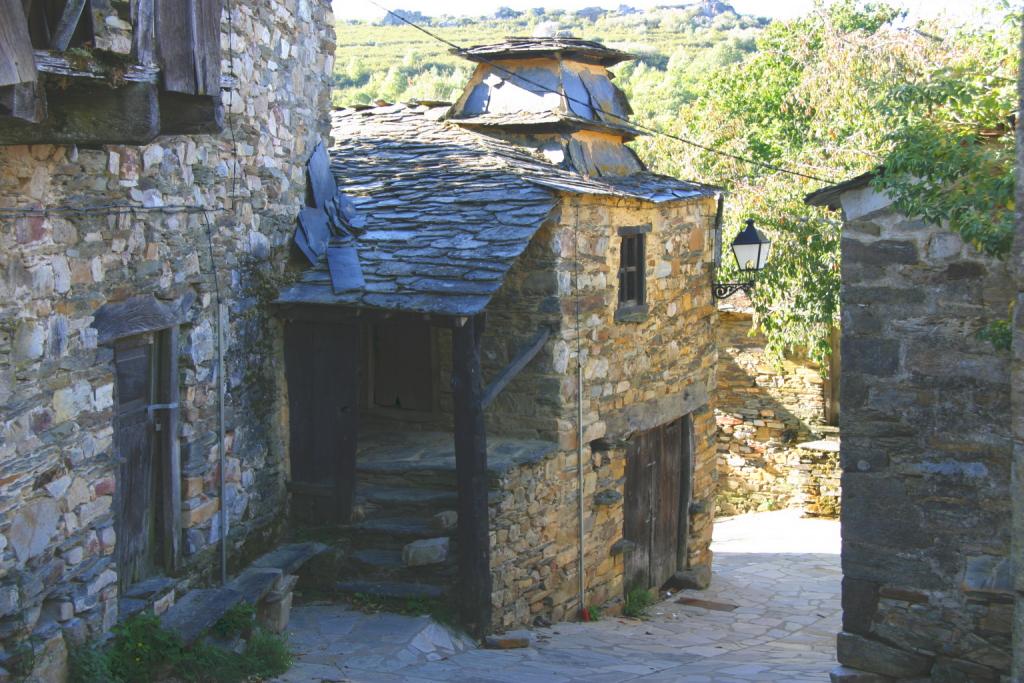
(555, 96)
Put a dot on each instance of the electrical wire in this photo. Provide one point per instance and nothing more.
(649, 129)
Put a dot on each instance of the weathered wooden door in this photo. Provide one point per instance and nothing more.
(657, 496)
(321, 361)
(138, 485)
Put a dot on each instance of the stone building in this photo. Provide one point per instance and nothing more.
(928, 590)
(109, 420)
(777, 444)
(509, 241)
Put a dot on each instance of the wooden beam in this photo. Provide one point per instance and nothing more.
(17, 64)
(471, 473)
(190, 114)
(526, 354)
(90, 113)
(69, 18)
(26, 101)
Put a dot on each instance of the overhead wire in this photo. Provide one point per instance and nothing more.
(640, 126)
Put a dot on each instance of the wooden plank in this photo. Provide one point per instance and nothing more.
(667, 483)
(636, 512)
(190, 114)
(188, 45)
(170, 474)
(17, 62)
(471, 474)
(685, 490)
(144, 31)
(136, 485)
(526, 354)
(66, 25)
(321, 365)
(59, 65)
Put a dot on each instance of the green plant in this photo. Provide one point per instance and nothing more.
(90, 664)
(142, 652)
(595, 612)
(638, 601)
(998, 333)
(267, 654)
(142, 649)
(236, 621)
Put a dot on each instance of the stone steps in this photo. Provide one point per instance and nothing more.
(395, 590)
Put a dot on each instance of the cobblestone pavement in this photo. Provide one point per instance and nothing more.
(780, 572)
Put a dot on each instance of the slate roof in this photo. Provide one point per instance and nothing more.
(447, 210)
(829, 196)
(524, 48)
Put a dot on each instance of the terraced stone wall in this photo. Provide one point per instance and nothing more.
(764, 410)
(926, 451)
(57, 464)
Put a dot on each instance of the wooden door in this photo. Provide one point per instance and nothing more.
(656, 501)
(137, 490)
(403, 366)
(321, 362)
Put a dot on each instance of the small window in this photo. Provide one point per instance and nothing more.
(631, 271)
(632, 289)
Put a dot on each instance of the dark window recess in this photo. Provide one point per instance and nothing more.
(632, 290)
(403, 367)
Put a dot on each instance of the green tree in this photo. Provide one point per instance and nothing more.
(845, 89)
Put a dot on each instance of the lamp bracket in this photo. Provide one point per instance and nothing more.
(721, 290)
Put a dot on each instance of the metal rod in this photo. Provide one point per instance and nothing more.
(220, 447)
(579, 413)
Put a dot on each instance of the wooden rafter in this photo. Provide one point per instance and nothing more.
(526, 354)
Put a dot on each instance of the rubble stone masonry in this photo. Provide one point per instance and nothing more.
(57, 465)
(764, 411)
(636, 376)
(928, 583)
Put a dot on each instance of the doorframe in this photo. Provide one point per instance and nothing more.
(115, 323)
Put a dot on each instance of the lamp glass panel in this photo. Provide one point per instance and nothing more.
(748, 256)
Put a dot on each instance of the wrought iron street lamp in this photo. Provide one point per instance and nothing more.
(751, 250)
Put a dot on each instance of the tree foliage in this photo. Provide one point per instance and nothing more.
(847, 88)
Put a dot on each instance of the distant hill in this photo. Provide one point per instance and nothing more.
(391, 60)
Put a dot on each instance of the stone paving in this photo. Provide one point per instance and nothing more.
(781, 572)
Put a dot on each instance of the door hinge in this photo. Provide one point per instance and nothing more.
(153, 407)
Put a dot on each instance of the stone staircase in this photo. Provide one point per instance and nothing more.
(401, 543)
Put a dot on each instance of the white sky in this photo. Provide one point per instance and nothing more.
(779, 9)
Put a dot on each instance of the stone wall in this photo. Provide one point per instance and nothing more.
(57, 465)
(636, 376)
(926, 451)
(764, 410)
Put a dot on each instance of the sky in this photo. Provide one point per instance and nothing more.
(776, 9)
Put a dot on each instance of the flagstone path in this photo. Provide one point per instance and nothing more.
(781, 572)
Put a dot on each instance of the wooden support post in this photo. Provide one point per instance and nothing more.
(471, 473)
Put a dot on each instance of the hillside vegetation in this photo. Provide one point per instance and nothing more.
(848, 88)
(395, 62)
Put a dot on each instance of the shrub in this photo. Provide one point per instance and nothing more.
(638, 601)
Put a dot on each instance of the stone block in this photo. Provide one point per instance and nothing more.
(880, 252)
(33, 527)
(274, 612)
(50, 659)
(508, 641)
(987, 574)
(425, 551)
(870, 356)
(844, 674)
(445, 520)
(859, 652)
(860, 602)
(956, 670)
(698, 577)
